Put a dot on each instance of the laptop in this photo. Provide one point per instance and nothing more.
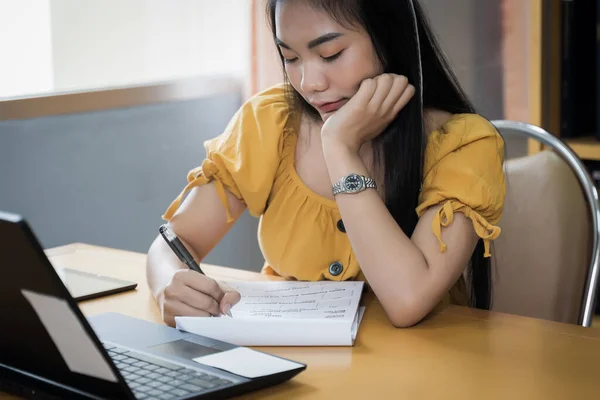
(48, 349)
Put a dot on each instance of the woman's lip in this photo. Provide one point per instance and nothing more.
(330, 107)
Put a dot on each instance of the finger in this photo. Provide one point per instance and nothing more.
(225, 287)
(398, 88)
(365, 91)
(179, 292)
(199, 300)
(230, 299)
(404, 99)
(383, 87)
(201, 283)
(176, 308)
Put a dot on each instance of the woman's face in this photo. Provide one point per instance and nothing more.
(324, 61)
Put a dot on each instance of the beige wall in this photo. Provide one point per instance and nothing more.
(515, 57)
(51, 46)
(267, 69)
(25, 47)
(114, 42)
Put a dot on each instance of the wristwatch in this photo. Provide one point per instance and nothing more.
(353, 183)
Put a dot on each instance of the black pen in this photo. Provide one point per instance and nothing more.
(180, 251)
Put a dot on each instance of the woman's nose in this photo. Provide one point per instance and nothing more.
(313, 79)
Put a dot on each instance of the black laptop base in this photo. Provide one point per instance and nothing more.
(27, 386)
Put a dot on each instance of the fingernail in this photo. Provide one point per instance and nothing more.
(226, 309)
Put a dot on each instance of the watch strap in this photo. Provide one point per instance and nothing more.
(339, 188)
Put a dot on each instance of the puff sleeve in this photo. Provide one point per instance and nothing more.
(244, 158)
(463, 172)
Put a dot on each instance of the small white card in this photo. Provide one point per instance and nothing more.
(247, 362)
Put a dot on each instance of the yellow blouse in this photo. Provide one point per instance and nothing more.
(300, 232)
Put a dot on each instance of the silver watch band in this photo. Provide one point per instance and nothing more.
(370, 183)
(353, 183)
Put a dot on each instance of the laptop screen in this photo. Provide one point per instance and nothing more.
(41, 322)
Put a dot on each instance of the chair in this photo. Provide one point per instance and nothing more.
(546, 261)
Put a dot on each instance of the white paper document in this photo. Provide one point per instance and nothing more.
(73, 343)
(286, 314)
(247, 362)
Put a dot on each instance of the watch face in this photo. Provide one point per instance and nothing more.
(353, 183)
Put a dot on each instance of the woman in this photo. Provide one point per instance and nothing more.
(368, 163)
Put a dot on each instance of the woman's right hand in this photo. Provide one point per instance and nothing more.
(192, 294)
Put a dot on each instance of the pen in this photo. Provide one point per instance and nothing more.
(180, 251)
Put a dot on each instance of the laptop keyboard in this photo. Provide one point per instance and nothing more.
(153, 378)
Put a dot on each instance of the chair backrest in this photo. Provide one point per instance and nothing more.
(546, 261)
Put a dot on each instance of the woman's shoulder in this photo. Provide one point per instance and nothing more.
(271, 99)
(262, 117)
(447, 126)
(456, 131)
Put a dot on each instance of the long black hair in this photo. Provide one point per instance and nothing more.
(405, 45)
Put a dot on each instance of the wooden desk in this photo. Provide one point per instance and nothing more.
(458, 353)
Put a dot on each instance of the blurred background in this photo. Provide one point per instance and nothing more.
(105, 104)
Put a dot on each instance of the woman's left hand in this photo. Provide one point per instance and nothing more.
(369, 111)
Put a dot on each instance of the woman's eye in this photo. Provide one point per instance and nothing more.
(333, 57)
(289, 60)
